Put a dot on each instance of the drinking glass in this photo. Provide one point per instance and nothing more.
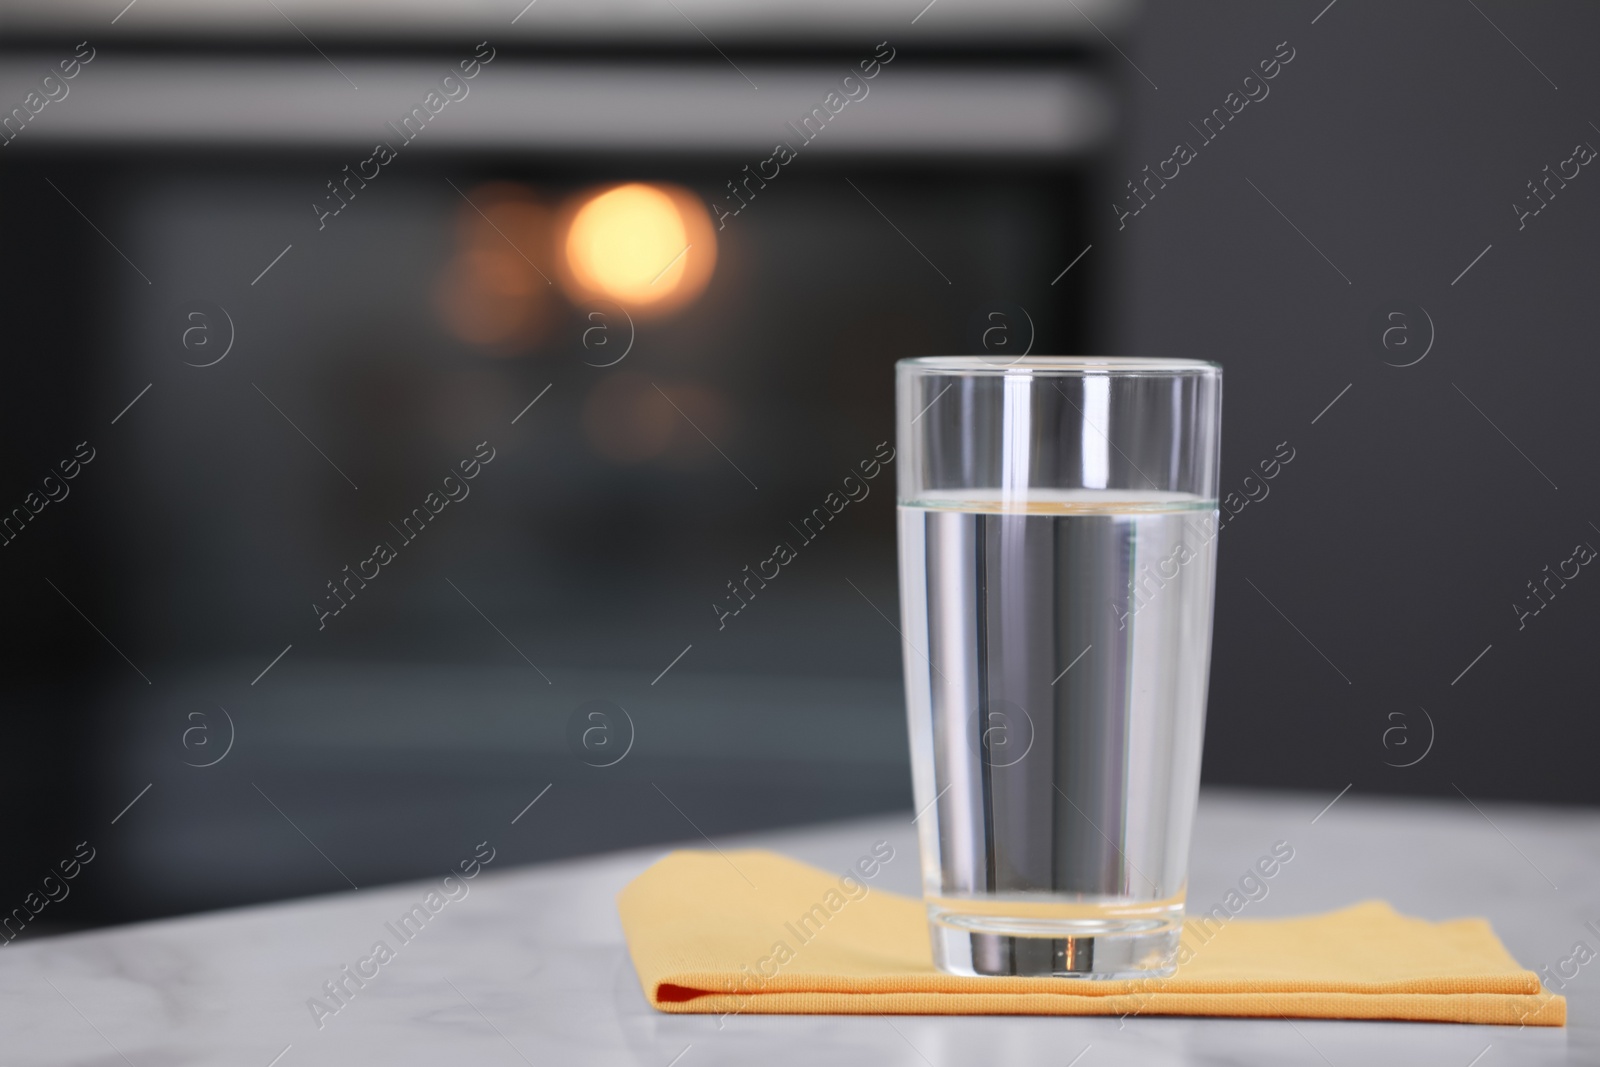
(1058, 518)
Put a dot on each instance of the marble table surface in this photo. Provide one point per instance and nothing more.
(528, 966)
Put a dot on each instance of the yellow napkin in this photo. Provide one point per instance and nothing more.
(720, 933)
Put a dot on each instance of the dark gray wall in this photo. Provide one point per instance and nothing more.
(1393, 551)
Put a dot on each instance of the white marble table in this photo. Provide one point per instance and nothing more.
(530, 966)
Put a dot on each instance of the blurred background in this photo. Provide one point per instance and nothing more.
(532, 298)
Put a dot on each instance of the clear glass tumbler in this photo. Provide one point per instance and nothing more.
(1058, 518)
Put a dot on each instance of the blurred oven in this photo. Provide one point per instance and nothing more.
(291, 274)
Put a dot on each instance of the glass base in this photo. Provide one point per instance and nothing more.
(1062, 949)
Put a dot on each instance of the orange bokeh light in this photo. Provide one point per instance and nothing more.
(491, 293)
(650, 248)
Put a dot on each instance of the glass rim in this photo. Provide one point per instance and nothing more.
(1067, 366)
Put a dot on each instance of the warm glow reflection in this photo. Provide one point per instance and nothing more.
(492, 293)
(629, 418)
(648, 247)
